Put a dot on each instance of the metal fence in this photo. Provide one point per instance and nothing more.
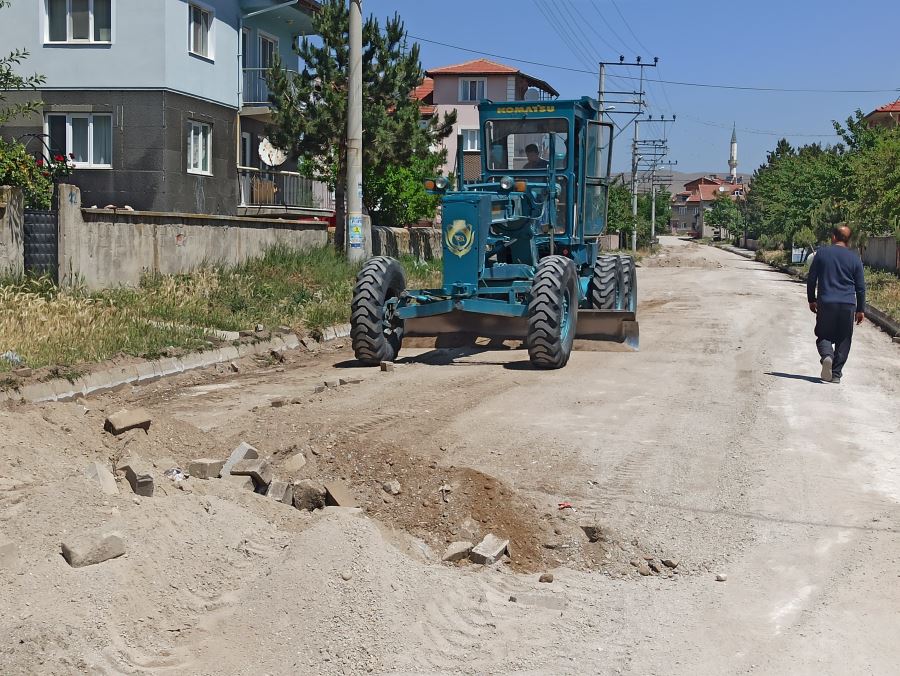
(883, 253)
(255, 90)
(259, 187)
(41, 242)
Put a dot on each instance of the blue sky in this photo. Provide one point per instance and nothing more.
(791, 44)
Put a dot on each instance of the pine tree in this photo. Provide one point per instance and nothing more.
(309, 114)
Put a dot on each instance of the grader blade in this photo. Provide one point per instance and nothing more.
(599, 326)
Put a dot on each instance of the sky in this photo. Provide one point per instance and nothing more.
(787, 44)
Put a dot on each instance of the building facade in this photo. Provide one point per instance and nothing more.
(887, 115)
(461, 87)
(163, 104)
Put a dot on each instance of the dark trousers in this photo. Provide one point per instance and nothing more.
(834, 333)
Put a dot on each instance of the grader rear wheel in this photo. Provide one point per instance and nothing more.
(628, 299)
(552, 313)
(375, 331)
(605, 286)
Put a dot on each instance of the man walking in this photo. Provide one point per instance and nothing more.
(837, 273)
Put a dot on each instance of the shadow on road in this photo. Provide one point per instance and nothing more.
(794, 376)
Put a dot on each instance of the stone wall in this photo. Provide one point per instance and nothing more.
(12, 231)
(104, 248)
(423, 243)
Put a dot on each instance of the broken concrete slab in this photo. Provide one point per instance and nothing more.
(490, 550)
(205, 468)
(457, 551)
(308, 495)
(244, 451)
(332, 382)
(241, 481)
(100, 474)
(278, 402)
(294, 464)
(258, 469)
(338, 495)
(138, 474)
(387, 366)
(318, 389)
(126, 420)
(280, 491)
(93, 547)
(351, 381)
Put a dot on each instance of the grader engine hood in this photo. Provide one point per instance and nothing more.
(466, 224)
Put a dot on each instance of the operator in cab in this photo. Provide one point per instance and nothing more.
(534, 158)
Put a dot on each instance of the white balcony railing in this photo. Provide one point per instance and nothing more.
(255, 90)
(270, 188)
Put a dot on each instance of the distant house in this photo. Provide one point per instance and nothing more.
(461, 87)
(886, 116)
(690, 205)
(162, 103)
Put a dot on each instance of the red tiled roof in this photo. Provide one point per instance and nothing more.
(475, 67)
(893, 107)
(425, 90)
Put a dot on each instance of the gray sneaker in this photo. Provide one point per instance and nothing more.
(826, 369)
(835, 380)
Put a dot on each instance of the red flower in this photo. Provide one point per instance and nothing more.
(58, 158)
(40, 162)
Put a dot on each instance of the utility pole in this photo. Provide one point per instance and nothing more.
(358, 237)
(651, 151)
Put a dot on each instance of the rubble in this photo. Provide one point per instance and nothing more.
(721, 577)
(294, 464)
(387, 366)
(100, 474)
(126, 420)
(671, 563)
(92, 548)
(546, 577)
(595, 532)
(489, 550)
(392, 487)
(338, 495)
(138, 475)
(241, 481)
(278, 402)
(457, 551)
(308, 495)
(332, 382)
(244, 451)
(205, 468)
(280, 491)
(350, 381)
(258, 469)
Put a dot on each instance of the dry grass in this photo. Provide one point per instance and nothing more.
(883, 291)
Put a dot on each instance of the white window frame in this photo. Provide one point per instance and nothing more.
(190, 148)
(90, 164)
(263, 36)
(467, 135)
(211, 32)
(464, 89)
(246, 149)
(69, 39)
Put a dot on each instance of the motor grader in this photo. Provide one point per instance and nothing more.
(521, 259)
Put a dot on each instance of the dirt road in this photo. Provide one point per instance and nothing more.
(715, 447)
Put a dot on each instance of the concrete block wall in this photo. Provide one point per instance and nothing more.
(423, 243)
(883, 253)
(12, 231)
(104, 248)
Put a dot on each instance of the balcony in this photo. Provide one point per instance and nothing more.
(270, 192)
(255, 92)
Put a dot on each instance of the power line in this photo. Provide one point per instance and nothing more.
(761, 132)
(611, 29)
(622, 16)
(679, 83)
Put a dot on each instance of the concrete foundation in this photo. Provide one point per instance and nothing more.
(423, 243)
(103, 248)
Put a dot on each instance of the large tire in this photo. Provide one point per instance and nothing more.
(628, 299)
(604, 291)
(376, 334)
(552, 312)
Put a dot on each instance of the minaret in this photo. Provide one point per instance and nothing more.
(732, 156)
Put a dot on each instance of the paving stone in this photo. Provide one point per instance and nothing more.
(126, 420)
(93, 547)
(457, 551)
(332, 382)
(244, 451)
(489, 550)
(138, 474)
(387, 366)
(308, 495)
(294, 464)
(280, 491)
(351, 381)
(241, 481)
(258, 469)
(338, 495)
(8, 554)
(205, 468)
(99, 473)
(279, 402)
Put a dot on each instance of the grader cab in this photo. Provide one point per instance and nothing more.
(520, 245)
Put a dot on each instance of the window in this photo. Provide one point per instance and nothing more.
(471, 90)
(79, 21)
(200, 25)
(516, 144)
(471, 140)
(268, 48)
(86, 137)
(246, 149)
(199, 148)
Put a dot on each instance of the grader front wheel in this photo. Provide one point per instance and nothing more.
(374, 330)
(552, 313)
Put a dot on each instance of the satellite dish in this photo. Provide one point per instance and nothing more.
(721, 187)
(271, 155)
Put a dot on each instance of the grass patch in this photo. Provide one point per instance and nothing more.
(883, 291)
(309, 290)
